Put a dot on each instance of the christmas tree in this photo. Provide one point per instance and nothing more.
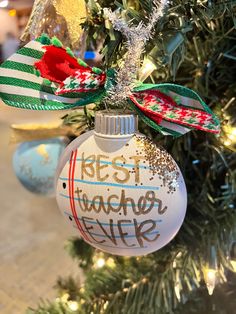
(192, 43)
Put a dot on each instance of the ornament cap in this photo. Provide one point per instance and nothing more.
(115, 124)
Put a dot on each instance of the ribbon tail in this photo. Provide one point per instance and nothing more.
(173, 109)
(151, 123)
(20, 87)
(45, 76)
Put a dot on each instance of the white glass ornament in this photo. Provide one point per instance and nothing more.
(123, 194)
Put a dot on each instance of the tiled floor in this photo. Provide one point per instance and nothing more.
(32, 233)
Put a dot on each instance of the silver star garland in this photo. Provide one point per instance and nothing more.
(137, 37)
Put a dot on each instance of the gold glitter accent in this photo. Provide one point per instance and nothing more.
(41, 150)
(74, 12)
(60, 18)
(160, 163)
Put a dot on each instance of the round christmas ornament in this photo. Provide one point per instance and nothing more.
(35, 164)
(123, 194)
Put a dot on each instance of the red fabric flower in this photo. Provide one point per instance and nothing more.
(56, 64)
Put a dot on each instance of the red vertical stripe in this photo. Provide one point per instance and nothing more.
(71, 193)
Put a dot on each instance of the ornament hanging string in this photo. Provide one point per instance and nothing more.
(35, 19)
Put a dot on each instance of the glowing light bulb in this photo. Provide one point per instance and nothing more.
(233, 256)
(111, 263)
(227, 142)
(177, 291)
(210, 279)
(232, 137)
(229, 138)
(233, 263)
(4, 3)
(233, 132)
(100, 262)
(147, 68)
(65, 297)
(73, 305)
(105, 305)
(177, 285)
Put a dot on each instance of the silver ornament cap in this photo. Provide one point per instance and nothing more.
(115, 123)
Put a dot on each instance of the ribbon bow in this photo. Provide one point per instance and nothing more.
(45, 76)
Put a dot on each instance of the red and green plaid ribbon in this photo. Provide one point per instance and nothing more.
(45, 76)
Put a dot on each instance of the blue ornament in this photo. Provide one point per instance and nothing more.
(35, 164)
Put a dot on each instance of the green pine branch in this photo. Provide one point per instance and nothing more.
(194, 45)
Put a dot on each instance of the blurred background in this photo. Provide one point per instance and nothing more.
(32, 230)
(194, 45)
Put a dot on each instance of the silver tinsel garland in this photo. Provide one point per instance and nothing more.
(137, 37)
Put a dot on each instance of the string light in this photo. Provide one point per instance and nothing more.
(229, 135)
(100, 263)
(227, 142)
(177, 285)
(73, 306)
(233, 264)
(211, 271)
(64, 298)
(233, 256)
(210, 279)
(177, 291)
(105, 305)
(146, 70)
(110, 262)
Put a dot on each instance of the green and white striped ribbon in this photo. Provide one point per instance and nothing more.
(20, 87)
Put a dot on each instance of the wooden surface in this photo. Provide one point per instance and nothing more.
(32, 232)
